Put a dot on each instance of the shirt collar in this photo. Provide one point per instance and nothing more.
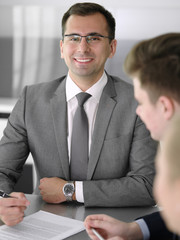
(96, 90)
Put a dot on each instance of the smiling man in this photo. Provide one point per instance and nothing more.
(86, 55)
(86, 140)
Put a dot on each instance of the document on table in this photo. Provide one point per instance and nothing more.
(42, 225)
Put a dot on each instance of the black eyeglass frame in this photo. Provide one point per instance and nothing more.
(90, 35)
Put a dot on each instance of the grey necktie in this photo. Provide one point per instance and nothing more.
(79, 140)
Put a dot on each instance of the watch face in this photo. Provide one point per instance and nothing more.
(68, 189)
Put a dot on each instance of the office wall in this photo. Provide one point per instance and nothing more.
(30, 31)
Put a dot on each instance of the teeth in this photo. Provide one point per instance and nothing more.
(83, 60)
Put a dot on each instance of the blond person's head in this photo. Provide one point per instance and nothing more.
(156, 63)
(154, 66)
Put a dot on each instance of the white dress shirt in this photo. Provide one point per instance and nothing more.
(90, 106)
(144, 228)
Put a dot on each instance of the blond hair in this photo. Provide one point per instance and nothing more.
(156, 63)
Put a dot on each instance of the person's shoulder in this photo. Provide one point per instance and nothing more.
(53, 84)
(43, 90)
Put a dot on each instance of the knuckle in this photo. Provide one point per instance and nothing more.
(21, 195)
(17, 210)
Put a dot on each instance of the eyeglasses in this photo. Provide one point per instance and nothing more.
(90, 39)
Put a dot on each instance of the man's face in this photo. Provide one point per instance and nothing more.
(149, 113)
(167, 192)
(86, 60)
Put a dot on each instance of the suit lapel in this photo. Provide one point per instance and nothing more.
(105, 110)
(59, 115)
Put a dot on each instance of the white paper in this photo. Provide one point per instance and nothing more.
(42, 225)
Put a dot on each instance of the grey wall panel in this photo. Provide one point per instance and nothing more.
(30, 32)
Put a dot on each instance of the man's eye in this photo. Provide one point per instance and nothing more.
(94, 38)
(74, 39)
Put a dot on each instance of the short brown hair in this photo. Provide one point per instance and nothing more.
(156, 63)
(87, 8)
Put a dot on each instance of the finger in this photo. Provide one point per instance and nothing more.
(8, 202)
(96, 224)
(12, 222)
(102, 217)
(12, 211)
(116, 238)
(92, 235)
(43, 180)
(42, 192)
(11, 214)
(19, 195)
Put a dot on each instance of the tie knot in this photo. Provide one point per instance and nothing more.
(82, 98)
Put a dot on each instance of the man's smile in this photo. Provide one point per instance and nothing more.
(83, 60)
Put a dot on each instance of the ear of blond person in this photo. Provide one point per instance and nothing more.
(167, 181)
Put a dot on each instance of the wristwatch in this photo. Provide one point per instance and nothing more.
(68, 191)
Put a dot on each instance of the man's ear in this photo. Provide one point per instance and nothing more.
(167, 106)
(61, 48)
(113, 48)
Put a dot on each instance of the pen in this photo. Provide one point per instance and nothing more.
(4, 195)
(97, 234)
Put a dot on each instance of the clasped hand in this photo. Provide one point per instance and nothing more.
(51, 189)
(12, 209)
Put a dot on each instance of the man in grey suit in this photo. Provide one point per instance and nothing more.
(120, 167)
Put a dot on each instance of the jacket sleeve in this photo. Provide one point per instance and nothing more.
(131, 189)
(157, 227)
(14, 148)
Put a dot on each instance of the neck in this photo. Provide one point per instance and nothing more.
(85, 82)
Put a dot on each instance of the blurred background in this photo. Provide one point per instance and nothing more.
(30, 31)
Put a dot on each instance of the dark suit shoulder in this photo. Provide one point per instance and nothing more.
(157, 227)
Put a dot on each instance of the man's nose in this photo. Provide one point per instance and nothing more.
(83, 45)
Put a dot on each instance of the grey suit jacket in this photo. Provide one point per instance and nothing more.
(121, 162)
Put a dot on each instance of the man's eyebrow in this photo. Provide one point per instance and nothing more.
(88, 34)
(94, 34)
(72, 34)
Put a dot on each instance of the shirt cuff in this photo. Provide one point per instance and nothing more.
(79, 191)
(144, 229)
